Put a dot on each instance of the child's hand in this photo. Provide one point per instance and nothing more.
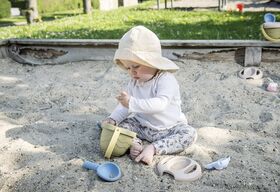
(123, 98)
(108, 121)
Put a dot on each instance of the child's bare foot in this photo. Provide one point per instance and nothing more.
(135, 149)
(147, 155)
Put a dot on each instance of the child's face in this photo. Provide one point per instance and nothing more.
(139, 72)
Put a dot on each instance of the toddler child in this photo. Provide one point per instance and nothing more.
(151, 103)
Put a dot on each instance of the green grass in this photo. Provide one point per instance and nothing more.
(167, 24)
(11, 21)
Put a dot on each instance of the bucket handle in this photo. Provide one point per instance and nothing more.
(112, 143)
(267, 36)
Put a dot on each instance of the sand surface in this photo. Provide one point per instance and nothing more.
(48, 127)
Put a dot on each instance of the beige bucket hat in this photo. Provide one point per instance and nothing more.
(142, 46)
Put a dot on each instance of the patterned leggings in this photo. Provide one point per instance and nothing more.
(170, 141)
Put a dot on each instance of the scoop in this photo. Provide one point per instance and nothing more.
(107, 171)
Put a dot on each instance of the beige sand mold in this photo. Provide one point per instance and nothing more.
(182, 168)
(251, 73)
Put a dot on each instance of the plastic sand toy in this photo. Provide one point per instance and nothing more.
(182, 168)
(115, 141)
(107, 171)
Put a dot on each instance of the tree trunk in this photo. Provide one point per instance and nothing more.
(32, 14)
(87, 6)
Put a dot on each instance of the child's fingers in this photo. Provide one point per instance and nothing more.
(135, 153)
(108, 121)
(136, 150)
(119, 98)
(139, 157)
(123, 94)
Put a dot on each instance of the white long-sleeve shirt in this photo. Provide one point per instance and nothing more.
(155, 103)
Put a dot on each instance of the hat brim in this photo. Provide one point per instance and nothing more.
(148, 59)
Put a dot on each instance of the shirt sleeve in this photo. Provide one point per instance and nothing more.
(119, 113)
(166, 88)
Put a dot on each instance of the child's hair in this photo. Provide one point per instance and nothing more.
(142, 46)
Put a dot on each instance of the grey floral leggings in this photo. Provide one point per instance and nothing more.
(170, 141)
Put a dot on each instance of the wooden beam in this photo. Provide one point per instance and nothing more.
(253, 56)
(164, 43)
(252, 49)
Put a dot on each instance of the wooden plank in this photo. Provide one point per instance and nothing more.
(3, 42)
(253, 56)
(3, 45)
(164, 43)
(3, 53)
(218, 43)
(253, 48)
(66, 42)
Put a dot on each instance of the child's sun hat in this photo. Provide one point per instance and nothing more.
(142, 46)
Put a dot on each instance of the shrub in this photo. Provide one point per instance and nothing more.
(49, 6)
(5, 9)
(95, 4)
(19, 3)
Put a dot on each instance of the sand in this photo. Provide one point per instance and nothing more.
(48, 127)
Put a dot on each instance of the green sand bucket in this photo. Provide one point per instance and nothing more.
(271, 31)
(115, 141)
